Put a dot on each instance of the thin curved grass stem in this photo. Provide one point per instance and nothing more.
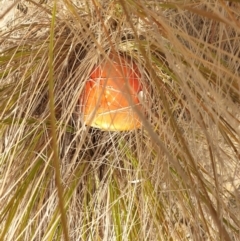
(54, 141)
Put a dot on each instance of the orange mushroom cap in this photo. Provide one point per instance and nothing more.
(110, 94)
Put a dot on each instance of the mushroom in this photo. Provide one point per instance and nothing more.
(110, 95)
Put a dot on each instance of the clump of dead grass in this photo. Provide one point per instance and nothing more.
(175, 179)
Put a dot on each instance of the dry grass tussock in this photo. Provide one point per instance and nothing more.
(176, 178)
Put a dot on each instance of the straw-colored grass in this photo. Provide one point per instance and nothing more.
(176, 178)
